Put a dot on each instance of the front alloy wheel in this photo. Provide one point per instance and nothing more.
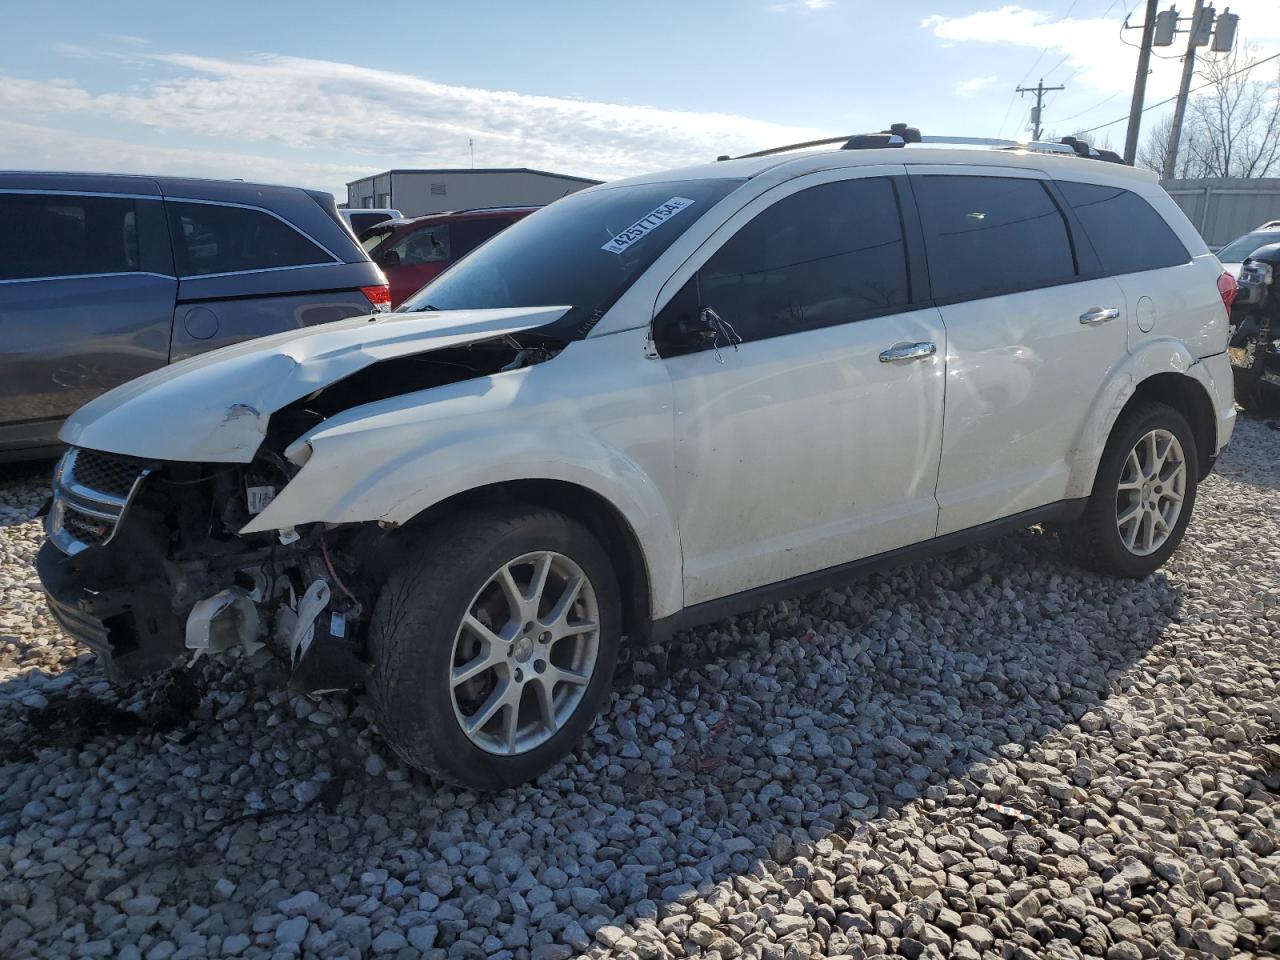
(493, 643)
(524, 653)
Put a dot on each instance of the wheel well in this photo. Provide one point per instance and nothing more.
(1189, 398)
(591, 510)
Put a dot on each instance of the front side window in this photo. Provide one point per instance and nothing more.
(827, 255)
(424, 245)
(65, 235)
(581, 252)
(212, 238)
(991, 235)
(1127, 234)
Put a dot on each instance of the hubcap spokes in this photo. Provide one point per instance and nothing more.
(524, 653)
(1153, 482)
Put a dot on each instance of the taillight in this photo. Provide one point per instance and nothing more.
(1227, 287)
(379, 296)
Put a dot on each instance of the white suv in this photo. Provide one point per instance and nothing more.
(652, 404)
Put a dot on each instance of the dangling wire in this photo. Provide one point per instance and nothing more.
(724, 332)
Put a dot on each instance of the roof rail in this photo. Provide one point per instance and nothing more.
(899, 135)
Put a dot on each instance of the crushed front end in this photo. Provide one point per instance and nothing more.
(144, 565)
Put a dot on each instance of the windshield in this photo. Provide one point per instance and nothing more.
(582, 251)
(372, 238)
(1237, 250)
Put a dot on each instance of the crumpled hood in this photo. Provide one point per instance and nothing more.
(215, 407)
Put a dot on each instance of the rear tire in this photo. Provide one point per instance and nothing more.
(460, 647)
(1143, 494)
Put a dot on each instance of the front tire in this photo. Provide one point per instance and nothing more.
(493, 645)
(1142, 496)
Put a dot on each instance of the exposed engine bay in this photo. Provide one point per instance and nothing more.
(146, 565)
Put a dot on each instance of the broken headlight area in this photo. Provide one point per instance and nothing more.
(169, 579)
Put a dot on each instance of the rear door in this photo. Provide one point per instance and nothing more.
(1168, 293)
(1031, 334)
(245, 270)
(86, 302)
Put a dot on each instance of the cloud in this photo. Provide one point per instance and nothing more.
(801, 6)
(341, 120)
(1088, 49)
(38, 147)
(974, 85)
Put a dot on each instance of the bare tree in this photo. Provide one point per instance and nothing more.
(1155, 147)
(1233, 127)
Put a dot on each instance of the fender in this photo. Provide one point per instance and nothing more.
(390, 460)
(1152, 357)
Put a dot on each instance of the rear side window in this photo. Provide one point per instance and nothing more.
(469, 234)
(425, 245)
(827, 255)
(991, 235)
(1126, 233)
(65, 235)
(211, 238)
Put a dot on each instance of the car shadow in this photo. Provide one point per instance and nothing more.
(748, 742)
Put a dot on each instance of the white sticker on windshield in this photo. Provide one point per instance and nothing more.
(646, 223)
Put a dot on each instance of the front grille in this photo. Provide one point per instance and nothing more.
(107, 473)
(91, 492)
(91, 531)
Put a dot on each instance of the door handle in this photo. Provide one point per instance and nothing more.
(909, 351)
(1096, 315)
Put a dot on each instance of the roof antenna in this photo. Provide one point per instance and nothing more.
(472, 144)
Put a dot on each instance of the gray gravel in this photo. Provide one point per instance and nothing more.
(986, 755)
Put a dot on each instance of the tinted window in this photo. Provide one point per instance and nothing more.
(363, 221)
(582, 251)
(1126, 233)
(826, 255)
(987, 235)
(469, 234)
(425, 245)
(215, 238)
(1237, 251)
(54, 235)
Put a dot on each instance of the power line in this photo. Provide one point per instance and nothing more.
(1069, 76)
(1039, 56)
(1211, 83)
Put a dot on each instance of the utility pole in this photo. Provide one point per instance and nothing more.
(1140, 84)
(1180, 109)
(1039, 90)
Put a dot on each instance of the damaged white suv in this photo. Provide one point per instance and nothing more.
(654, 403)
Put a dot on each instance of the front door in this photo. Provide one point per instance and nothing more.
(808, 428)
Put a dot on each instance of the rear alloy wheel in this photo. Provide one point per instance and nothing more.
(1143, 494)
(493, 645)
(1153, 484)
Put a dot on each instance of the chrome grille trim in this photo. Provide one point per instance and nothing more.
(81, 515)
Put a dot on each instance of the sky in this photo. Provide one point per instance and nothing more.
(318, 94)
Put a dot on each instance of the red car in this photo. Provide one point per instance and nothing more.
(413, 250)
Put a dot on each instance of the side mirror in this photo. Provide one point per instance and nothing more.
(388, 258)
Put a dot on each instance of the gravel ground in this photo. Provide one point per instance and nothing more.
(985, 755)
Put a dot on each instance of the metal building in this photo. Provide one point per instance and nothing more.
(417, 192)
(1226, 207)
